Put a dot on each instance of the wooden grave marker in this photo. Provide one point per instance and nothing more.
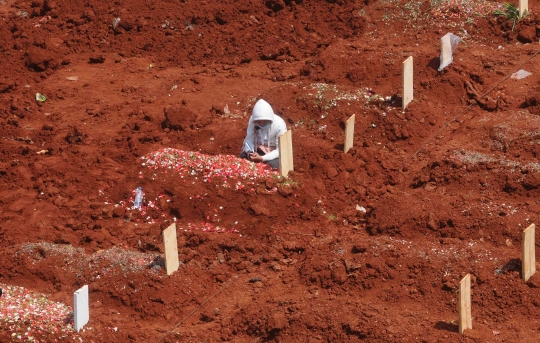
(528, 263)
(349, 133)
(523, 7)
(171, 249)
(407, 81)
(81, 307)
(285, 153)
(465, 319)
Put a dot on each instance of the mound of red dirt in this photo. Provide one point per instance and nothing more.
(364, 246)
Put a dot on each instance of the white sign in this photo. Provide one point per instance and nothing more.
(81, 307)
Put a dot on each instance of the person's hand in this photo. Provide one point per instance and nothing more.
(255, 157)
(264, 149)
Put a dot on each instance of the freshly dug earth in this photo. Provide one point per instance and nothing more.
(364, 246)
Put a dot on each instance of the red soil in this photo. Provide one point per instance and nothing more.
(307, 266)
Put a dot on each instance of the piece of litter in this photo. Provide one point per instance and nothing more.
(521, 74)
(496, 332)
(42, 152)
(226, 109)
(360, 208)
(40, 97)
(115, 22)
(72, 78)
(449, 43)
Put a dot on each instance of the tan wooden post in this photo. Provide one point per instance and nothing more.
(523, 7)
(465, 320)
(171, 249)
(349, 133)
(528, 263)
(407, 81)
(285, 153)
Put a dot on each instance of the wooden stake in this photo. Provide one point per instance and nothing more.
(407, 81)
(285, 153)
(528, 263)
(523, 7)
(349, 133)
(465, 320)
(171, 249)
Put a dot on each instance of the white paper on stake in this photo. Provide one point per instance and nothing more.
(81, 308)
(449, 43)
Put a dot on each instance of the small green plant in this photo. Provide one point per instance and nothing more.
(510, 11)
(284, 182)
(332, 217)
(288, 183)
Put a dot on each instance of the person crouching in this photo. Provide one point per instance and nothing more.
(264, 127)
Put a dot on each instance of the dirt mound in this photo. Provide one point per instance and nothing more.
(364, 246)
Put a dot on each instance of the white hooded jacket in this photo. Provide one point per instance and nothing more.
(268, 136)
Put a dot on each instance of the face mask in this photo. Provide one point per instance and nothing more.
(258, 127)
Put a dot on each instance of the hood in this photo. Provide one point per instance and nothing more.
(262, 111)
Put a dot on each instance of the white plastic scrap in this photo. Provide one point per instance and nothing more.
(449, 43)
(115, 22)
(360, 208)
(40, 97)
(521, 74)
